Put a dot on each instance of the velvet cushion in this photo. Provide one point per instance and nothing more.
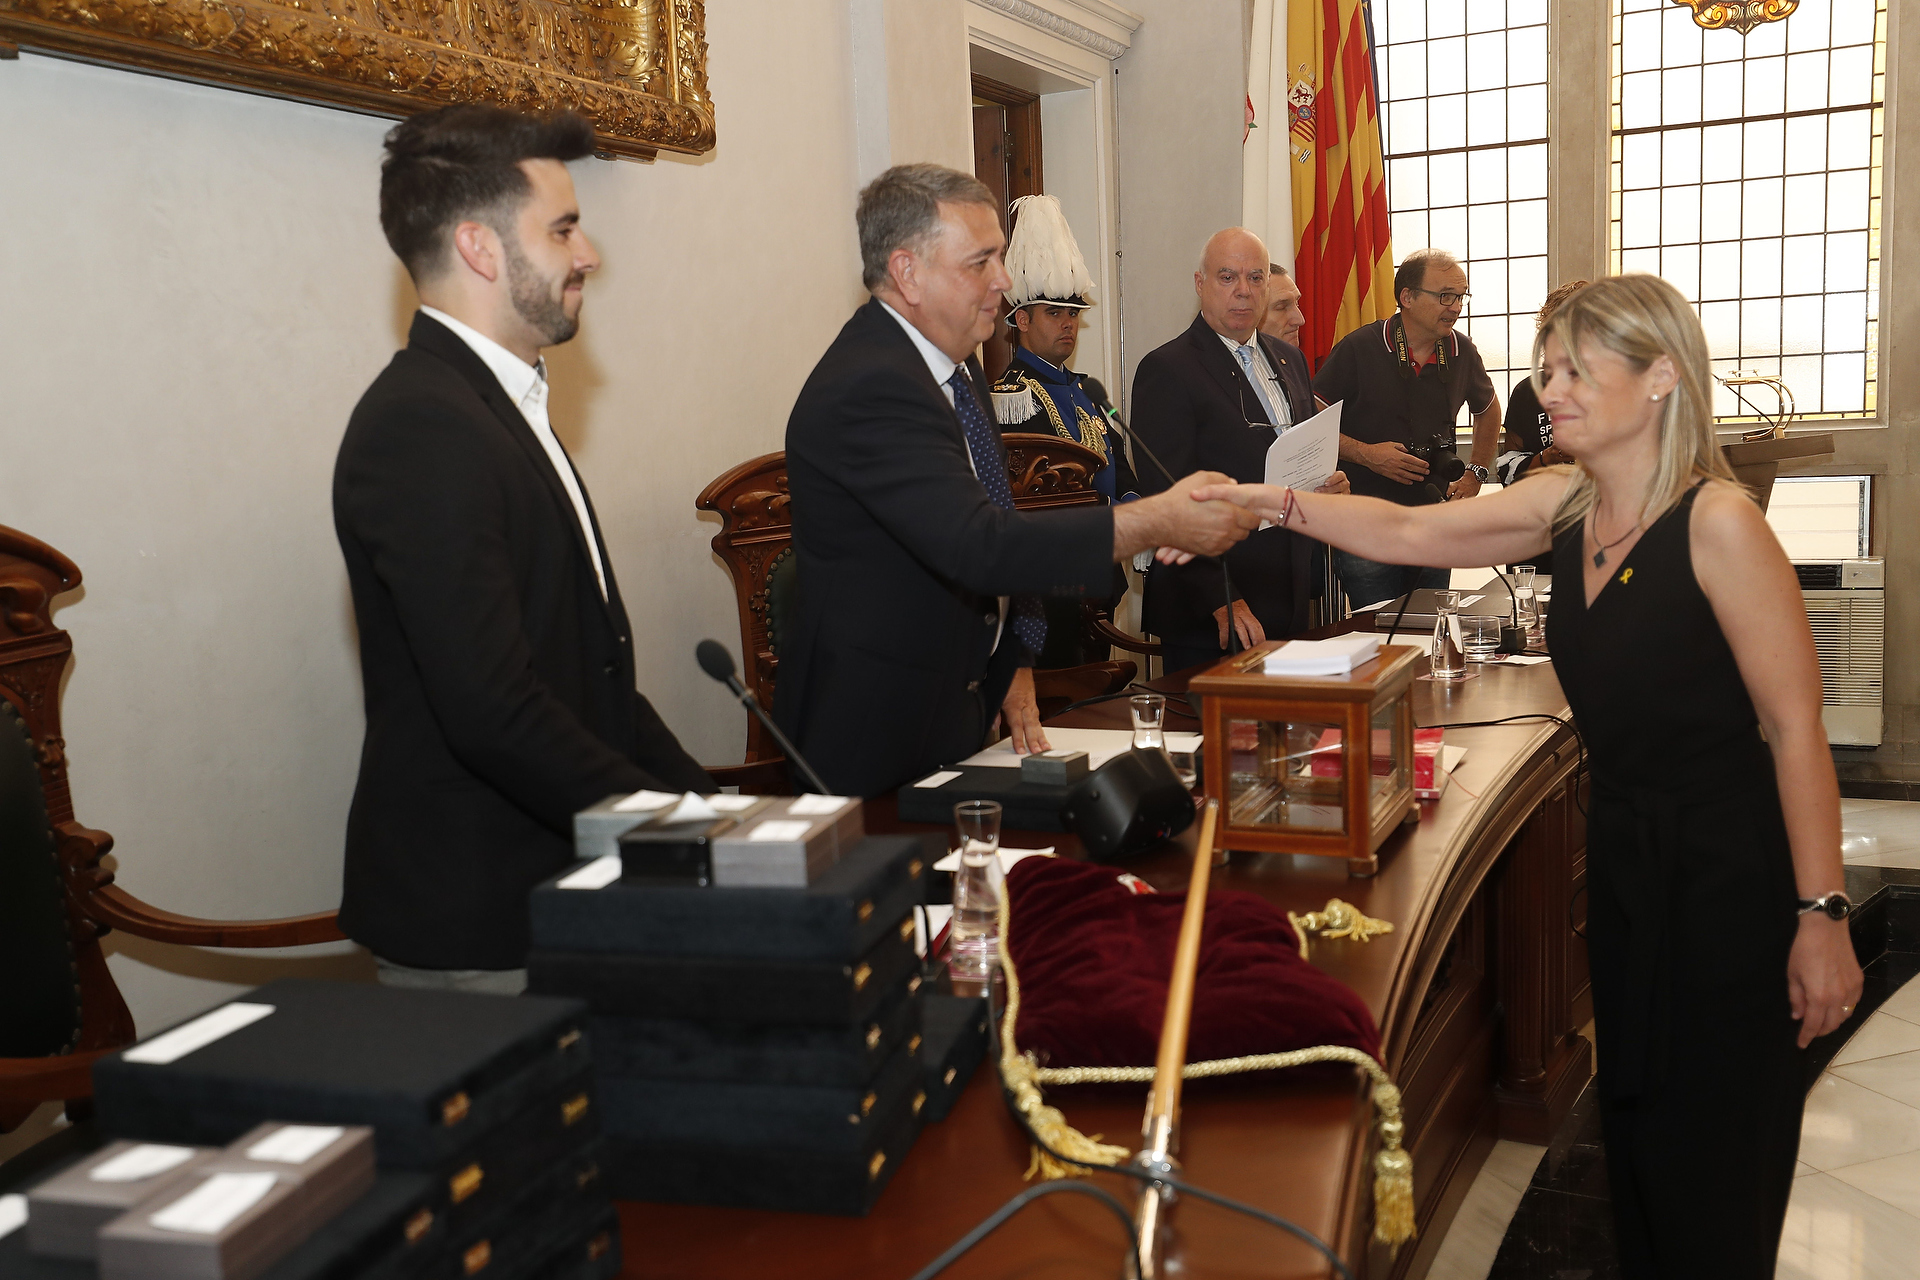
(1093, 957)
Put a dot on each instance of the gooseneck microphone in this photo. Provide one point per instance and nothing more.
(718, 663)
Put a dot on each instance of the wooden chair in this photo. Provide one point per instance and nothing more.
(755, 542)
(63, 1009)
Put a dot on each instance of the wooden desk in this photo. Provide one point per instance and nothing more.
(1482, 895)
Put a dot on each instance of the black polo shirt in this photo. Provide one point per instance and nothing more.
(1387, 398)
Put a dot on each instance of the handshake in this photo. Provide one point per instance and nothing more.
(1173, 520)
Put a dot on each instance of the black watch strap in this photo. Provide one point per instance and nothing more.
(1835, 906)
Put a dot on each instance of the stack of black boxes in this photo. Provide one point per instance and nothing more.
(756, 1046)
(478, 1111)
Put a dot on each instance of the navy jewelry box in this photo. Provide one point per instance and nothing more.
(724, 988)
(956, 1035)
(837, 917)
(715, 1052)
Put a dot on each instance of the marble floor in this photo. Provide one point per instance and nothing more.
(1855, 1213)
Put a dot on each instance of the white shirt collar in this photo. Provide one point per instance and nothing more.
(517, 378)
(1253, 342)
(939, 363)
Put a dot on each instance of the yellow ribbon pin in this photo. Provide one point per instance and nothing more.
(1626, 577)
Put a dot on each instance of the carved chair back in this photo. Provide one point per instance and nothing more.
(755, 541)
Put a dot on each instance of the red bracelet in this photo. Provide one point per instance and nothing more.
(1287, 509)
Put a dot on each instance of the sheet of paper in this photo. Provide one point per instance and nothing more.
(1338, 655)
(1307, 453)
(1451, 756)
(212, 1206)
(644, 801)
(1007, 858)
(1528, 659)
(817, 806)
(295, 1143)
(137, 1164)
(1186, 741)
(597, 874)
(13, 1210)
(939, 779)
(928, 923)
(692, 808)
(1101, 745)
(198, 1034)
(732, 804)
(781, 832)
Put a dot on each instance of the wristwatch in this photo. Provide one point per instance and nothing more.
(1478, 470)
(1835, 906)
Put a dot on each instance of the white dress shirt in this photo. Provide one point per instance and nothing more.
(526, 385)
(1269, 380)
(941, 366)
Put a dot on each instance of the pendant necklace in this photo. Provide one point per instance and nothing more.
(1600, 556)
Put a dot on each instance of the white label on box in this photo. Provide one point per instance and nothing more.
(13, 1214)
(782, 831)
(640, 801)
(732, 804)
(212, 1206)
(597, 874)
(295, 1143)
(939, 779)
(137, 1164)
(817, 806)
(198, 1034)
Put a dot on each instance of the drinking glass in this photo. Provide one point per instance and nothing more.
(1526, 603)
(1149, 721)
(973, 940)
(1449, 662)
(1479, 637)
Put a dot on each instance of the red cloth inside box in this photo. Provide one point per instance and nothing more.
(1094, 958)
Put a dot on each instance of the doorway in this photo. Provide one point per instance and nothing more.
(1006, 157)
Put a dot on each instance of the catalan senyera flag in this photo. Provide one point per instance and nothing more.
(1343, 257)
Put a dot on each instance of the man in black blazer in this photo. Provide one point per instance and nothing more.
(497, 659)
(918, 585)
(1211, 399)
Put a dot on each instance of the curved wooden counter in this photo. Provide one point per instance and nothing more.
(1478, 993)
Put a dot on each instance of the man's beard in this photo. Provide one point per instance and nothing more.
(534, 300)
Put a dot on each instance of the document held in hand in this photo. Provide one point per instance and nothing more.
(1304, 455)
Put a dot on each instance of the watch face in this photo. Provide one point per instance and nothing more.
(1836, 907)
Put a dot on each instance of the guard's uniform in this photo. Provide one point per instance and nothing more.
(1035, 396)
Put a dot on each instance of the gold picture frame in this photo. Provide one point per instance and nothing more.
(636, 68)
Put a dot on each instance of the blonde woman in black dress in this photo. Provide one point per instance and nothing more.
(1717, 935)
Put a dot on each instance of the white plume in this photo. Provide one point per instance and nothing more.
(1042, 257)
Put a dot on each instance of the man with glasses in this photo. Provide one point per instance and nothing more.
(1404, 381)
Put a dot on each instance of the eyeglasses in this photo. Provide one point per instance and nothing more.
(1446, 299)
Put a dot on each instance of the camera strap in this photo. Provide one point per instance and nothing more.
(1406, 360)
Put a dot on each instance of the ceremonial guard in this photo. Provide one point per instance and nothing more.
(1038, 393)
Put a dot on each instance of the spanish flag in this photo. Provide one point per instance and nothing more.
(1343, 259)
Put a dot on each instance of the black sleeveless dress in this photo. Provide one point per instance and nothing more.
(1690, 916)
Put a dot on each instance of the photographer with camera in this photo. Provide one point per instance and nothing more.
(1403, 381)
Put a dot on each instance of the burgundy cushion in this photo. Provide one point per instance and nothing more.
(1093, 959)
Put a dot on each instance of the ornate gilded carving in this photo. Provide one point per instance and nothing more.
(636, 68)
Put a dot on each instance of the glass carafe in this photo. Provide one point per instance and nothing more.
(1449, 656)
(1526, 603)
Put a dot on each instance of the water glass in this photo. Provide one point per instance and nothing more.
(973, 939)
(1449, 661)
(1186, 764)
(1526, 603)
(1479, 637)
(1149, 722)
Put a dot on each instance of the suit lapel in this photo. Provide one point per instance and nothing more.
(436, 339)
(1291, 371)
(1225, 370)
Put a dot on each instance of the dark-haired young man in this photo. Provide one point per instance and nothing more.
(495, 649)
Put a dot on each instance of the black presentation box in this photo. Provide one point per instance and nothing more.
(1027, 806)
(837, 917)
(679, 1049)
(818, 1118)
(548, 1215)
(717, 989)
(763, 1176)
(593, 1253)
(556, 1124)
(956, 1043)
(434, 1072)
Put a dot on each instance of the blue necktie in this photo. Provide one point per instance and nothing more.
(1028, 617)
(1245, 352)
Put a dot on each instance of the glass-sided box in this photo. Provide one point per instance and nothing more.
(1310, 764)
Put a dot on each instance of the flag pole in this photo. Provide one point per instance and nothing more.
(1159, 1131)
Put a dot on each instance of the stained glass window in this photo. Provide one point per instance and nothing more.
(1746, 171)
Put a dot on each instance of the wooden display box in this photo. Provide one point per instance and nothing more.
(1310, 764)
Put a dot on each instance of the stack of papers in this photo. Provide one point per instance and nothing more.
(1335, 657)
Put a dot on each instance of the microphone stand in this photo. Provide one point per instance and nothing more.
(725, 675)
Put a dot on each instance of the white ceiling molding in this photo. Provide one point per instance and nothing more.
(1049, 18)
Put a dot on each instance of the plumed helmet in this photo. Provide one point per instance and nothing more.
(1043, 258)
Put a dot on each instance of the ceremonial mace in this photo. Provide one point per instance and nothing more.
(1158, 1131)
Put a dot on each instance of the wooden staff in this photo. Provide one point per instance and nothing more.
(1163, 1104)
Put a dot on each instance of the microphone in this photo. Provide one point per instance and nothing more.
(1512, 639)
(718, 663)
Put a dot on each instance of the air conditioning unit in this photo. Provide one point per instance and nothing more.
(1847, 607)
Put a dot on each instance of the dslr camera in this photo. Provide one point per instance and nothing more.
(1443, 464)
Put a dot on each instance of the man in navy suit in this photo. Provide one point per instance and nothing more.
(1214, 398)
(494, 647)
(919, 586)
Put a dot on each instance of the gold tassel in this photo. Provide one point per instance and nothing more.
(1393, 1223)
(1337, 920)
